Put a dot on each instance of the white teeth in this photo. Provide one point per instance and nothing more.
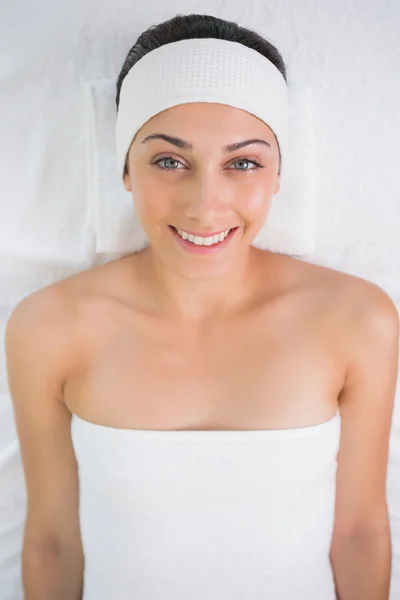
(200, 241)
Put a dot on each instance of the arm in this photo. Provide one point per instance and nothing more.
(361, 544)
(37, 356)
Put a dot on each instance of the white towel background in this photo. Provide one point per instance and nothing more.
(347, 53)
(290, 226)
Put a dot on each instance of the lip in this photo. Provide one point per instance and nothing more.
(204, 234)
(206, 250)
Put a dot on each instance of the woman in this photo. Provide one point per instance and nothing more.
(178, 408)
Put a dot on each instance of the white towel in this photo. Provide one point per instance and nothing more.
(111, 215)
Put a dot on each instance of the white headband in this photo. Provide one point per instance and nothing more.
(201, 70)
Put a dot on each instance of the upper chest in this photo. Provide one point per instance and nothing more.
(284, 361)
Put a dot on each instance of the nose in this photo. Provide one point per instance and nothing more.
(207, 201)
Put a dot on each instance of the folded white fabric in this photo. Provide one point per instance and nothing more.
(111, 216)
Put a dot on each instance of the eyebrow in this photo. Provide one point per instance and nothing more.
(176, 141)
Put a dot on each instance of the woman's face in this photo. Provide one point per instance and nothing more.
(199, 186)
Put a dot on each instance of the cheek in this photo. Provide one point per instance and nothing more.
(152, 199)
(255, 202)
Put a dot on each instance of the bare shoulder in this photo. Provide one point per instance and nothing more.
(354, 297)
(365, 302)
(55, 319)
(38, 332)
(48, 310)
(58, 304)
(362, 317)
(42, 310)
(49, 320)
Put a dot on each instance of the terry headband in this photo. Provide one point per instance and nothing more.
(201, 70)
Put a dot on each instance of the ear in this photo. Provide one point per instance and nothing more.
(127, 179)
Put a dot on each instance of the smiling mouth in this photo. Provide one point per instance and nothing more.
(205, 239)
(198, 245)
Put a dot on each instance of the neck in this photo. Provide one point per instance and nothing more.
(198, 298)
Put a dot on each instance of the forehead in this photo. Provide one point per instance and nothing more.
(207, 118)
